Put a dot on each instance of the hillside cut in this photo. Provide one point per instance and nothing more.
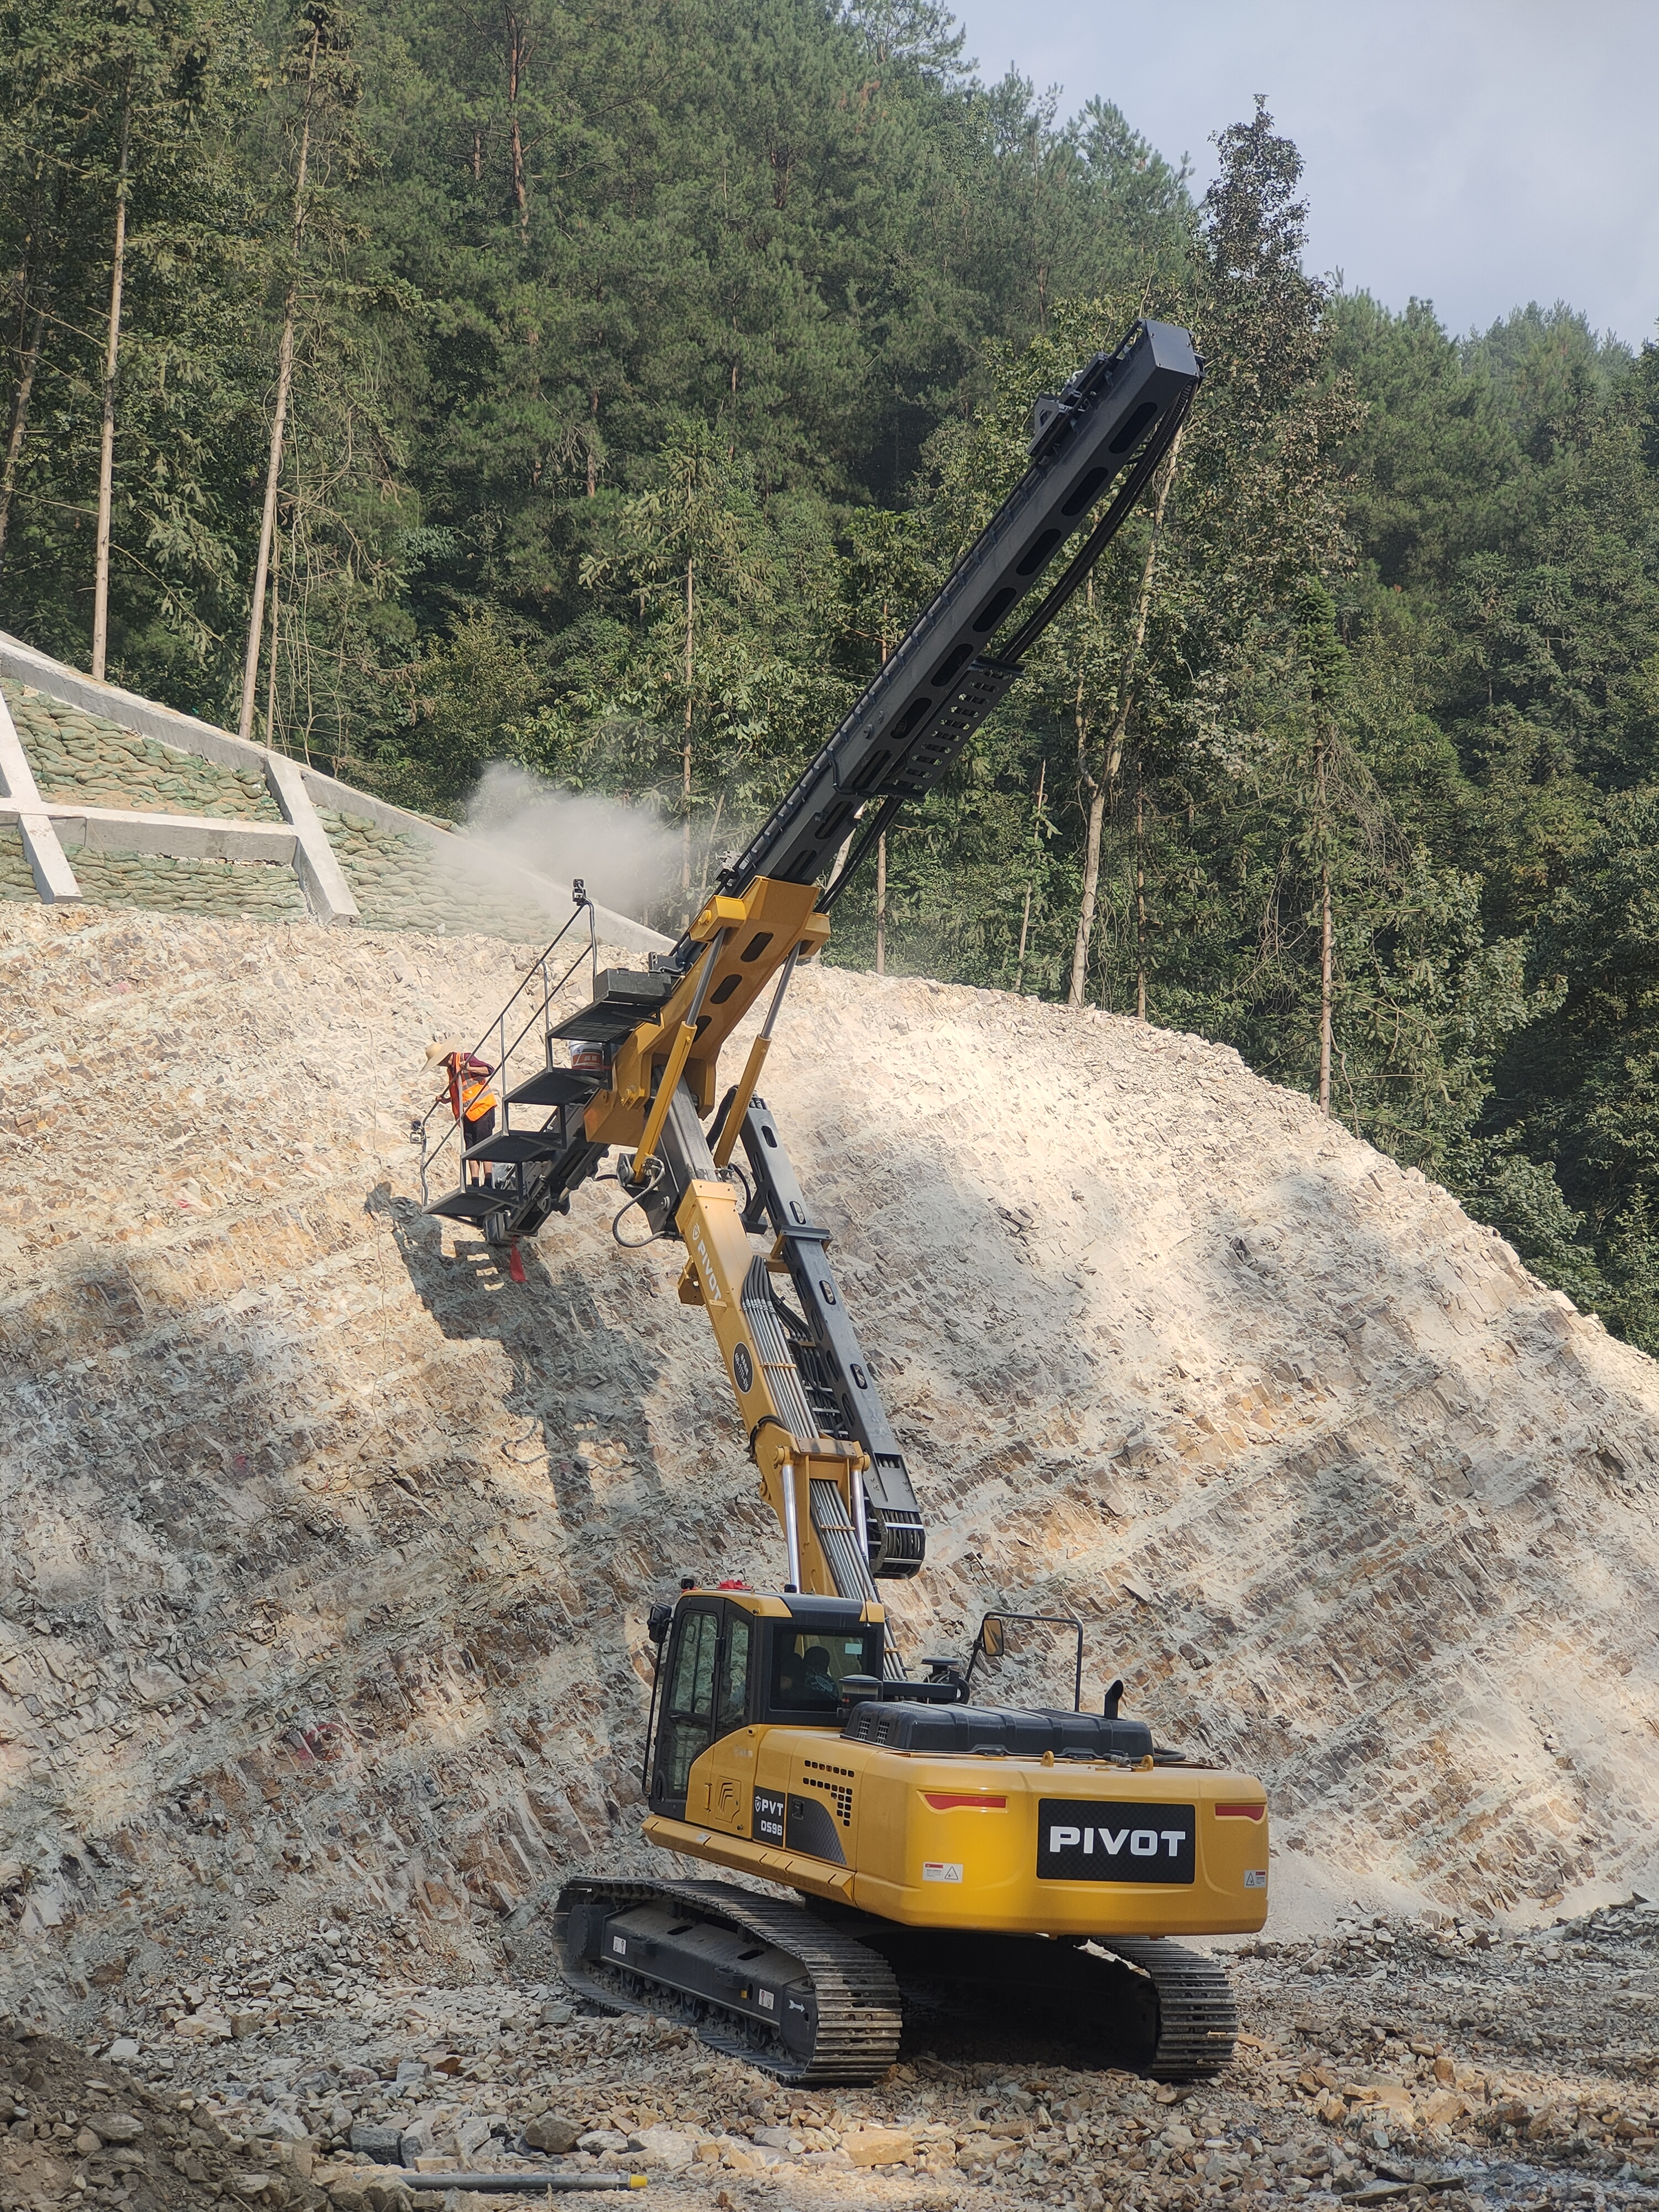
(327, 1547)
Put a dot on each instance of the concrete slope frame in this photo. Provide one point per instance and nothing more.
(47, 827)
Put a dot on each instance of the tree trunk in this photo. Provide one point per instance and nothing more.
(1140, 894)
(881, 904)
(279, 416)
(1086, 920)
(1025, 918)
(685, 745)
(1324, 941)
(846, 844)
(1101, 791)
(112, 358)
(19, 419)
(1325, 989)
(517, 51)
(881, 841)
(276, 619)
(708, 850)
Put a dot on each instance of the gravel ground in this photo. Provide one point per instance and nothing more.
(76, 2130)
(1399, 2060)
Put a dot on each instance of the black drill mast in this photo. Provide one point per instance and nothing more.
(1121, 410)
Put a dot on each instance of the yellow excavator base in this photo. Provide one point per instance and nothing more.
(1015, 1846)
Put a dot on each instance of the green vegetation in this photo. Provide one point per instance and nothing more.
(642, 367)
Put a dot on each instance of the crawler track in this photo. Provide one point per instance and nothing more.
(1142, 2002)
(1197, 2013)
(856, 1999)
(1138, 2001)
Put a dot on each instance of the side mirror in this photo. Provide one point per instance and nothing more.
(992, 1636)
(658, 1622)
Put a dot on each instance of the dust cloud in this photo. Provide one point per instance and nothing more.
(628, 856)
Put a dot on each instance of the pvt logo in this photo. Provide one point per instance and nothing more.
(767, 1817)
(1143, 1842)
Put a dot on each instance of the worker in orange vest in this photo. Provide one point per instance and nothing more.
(472, 1100)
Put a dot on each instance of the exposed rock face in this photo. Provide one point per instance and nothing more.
(327, 1548)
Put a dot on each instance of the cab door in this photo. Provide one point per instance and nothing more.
(723, 1784)
(686, 1721)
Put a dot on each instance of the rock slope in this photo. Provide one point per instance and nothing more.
(327, 1547)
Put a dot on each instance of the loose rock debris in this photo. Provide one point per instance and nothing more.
(79, 2130)
(1387, 2063)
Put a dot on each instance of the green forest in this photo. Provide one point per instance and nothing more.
(601, 387)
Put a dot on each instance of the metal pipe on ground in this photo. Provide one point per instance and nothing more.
(520, 2184)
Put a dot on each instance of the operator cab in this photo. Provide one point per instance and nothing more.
(743, 1660)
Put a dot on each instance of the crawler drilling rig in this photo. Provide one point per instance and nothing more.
(1029, 1858)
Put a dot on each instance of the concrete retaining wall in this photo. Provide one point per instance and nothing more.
(298, 789)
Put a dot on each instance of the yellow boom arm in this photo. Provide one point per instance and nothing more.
(663, 1079)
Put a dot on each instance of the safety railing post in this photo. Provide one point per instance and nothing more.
(419, 1130)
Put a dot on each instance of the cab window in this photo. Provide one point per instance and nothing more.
(690, 1703)
(732, 1708)
(809, 1665)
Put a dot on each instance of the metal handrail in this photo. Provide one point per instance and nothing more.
(982, 1649)
(496, 1030)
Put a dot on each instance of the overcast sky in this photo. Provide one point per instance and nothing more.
(1477, 153)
